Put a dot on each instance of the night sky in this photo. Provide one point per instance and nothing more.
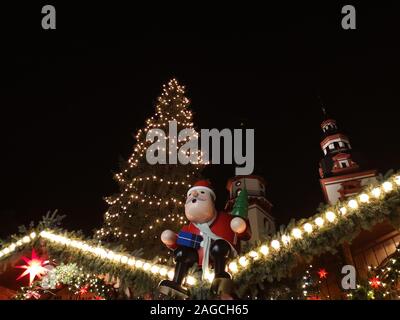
(72, 99)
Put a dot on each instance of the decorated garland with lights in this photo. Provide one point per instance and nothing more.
(269, 261)
(151, 197)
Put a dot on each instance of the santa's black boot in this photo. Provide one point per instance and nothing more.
(220, 251)
(185, 258)
(222, 284)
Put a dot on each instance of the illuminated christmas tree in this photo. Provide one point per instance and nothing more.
(152, 196)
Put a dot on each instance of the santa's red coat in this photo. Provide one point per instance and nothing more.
(221, 226)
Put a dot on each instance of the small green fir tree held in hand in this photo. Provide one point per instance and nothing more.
(241, 206)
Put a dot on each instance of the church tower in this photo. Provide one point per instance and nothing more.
(340, 173)
(261, 221)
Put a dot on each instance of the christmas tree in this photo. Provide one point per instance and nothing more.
(152, 196)
(241, 206)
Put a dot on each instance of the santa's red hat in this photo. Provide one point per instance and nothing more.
(204, 185)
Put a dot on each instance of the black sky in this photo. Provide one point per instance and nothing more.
(72, 99)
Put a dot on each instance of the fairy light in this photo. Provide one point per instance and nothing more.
(190, 280)
(330, 216)
(275, 244)
(171, 274)
(253, 254)
(285, 239)
(296, 232)
(243, 261)
(155, 269)
(233, 267)
(343, 210)
(319, 221)
(387, 186)
(163, 272)
(210, 276)
(376, 192)
(397, 180)
(26, 239)
(264, 250)
(308, 227)
(364, 198)
(353, 204)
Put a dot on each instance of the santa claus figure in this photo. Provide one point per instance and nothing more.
(210, 239)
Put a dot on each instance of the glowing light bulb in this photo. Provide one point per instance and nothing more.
(233, 267)
(296, 232)
(319, 222)
(353, 204)
(146, 266)
(210, 276)
(243, 261)
(253, 255)
(264, 250)
(163, 272)
(308, 227)
(364, 198)
(343, 211)
(191, 281)
(171, 274)
(387, 186)
(330, 216)
(376, 192)
(275, 244)
(154, 269)
(285, 239)
(110, 255)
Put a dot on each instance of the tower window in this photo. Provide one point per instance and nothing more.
(341, 144)
(331, 146)
(344, 164)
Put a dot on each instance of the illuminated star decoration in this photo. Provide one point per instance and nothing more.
(375, 282)
(35, 267)
(322, 273)
(83, 290)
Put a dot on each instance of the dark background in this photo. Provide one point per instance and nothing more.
(70, 99)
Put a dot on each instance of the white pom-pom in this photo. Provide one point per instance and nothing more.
(238, 225)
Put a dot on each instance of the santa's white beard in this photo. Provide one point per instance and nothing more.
(200, 211)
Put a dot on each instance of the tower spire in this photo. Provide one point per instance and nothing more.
(322, 107)
(340, 174)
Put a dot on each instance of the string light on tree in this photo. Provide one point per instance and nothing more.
(151, 196)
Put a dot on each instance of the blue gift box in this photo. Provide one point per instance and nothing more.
(188, 239)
